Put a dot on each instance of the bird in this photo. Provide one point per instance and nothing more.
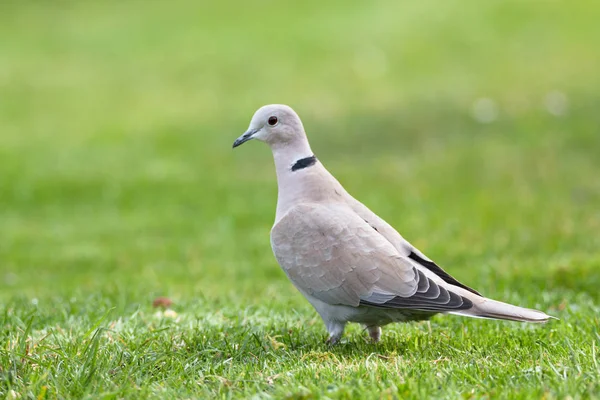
(350, 264)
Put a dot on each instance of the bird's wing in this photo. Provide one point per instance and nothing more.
(403, 247)
(331, 253)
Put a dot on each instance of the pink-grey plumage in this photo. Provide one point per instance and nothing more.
(349, 263)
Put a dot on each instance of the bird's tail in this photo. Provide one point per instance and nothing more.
(488, 308)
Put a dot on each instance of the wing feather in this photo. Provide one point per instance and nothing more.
(331, 253)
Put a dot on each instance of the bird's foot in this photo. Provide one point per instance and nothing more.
(336, 330)
(333, 340)
(374, 333)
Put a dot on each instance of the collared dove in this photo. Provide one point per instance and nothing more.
(350, 264)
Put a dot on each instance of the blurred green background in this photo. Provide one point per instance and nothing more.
(472, 127)
(117, 120)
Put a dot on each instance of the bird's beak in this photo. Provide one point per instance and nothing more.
(245, 137)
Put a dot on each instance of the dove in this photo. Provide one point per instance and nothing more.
(350, 264)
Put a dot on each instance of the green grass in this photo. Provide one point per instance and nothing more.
(118, 185)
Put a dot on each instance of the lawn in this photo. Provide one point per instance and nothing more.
(472, 127)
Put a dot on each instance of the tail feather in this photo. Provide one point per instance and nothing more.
(488, 308)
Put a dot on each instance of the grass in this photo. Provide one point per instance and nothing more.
(118, 185)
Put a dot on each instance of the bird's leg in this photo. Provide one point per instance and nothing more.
(374, 333)
(336, 330)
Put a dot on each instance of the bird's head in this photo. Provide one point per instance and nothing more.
(275, 124)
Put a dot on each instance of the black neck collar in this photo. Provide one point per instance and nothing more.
(304, 163)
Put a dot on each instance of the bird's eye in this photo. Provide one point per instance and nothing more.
(272, 120)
